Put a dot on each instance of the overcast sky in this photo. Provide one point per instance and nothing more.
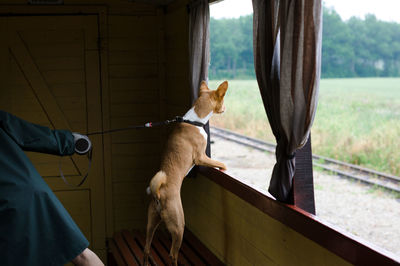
(388, 10)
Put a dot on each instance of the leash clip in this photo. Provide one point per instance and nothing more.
(179, 119)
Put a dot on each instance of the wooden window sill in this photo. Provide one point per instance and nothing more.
(351, 248)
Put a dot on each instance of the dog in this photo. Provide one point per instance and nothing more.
(185, 148)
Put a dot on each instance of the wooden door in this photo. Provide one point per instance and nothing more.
(49, 75)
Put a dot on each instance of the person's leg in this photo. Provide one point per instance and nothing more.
(87, 258)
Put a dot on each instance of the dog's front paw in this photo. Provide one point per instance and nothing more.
(222, 167)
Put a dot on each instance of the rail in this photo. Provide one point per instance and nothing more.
(347, 170)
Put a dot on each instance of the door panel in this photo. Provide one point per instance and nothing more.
(49, 71)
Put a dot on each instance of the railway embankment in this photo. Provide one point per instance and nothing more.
(364, 209)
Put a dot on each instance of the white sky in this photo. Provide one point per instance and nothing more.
(388, 10)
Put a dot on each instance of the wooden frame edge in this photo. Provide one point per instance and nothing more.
(349, 247)
(24, 9)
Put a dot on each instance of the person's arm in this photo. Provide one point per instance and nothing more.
(32, 137)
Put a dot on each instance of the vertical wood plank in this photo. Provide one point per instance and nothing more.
(36, 81)
(3, 51)
(162, 74)
(105, 93)
(24, 54)
(95, 123)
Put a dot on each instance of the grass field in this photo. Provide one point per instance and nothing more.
(357, 120)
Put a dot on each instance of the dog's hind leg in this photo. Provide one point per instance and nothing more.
(153, 220)
(176, 245)
(175, 222)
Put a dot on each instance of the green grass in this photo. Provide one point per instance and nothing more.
(357, 120)
(244, 110)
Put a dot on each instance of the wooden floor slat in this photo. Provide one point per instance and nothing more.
(164, 253)
(154, 257)
(134, 247)
(126, 248)
(116, 254)
(167, 243)
(125, 251)
(193, 258)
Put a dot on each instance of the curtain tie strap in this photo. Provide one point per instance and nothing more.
(291, 156)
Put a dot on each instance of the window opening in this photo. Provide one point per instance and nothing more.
(231, 42)
(357, 119)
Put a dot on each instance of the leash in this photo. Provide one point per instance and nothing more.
(89, 155)
(177, 119)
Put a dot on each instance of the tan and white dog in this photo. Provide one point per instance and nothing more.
(185, 148)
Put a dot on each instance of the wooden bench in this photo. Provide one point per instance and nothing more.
(126, 248)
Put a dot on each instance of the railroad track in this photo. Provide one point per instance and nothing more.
(354, 172)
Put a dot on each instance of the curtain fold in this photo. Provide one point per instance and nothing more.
(199, 51)
(287, 39)
(199, 45)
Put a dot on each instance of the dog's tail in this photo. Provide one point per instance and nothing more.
(156, 182)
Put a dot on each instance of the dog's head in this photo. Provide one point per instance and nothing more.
(210, 100)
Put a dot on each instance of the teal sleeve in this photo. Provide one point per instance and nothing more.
(32, 137)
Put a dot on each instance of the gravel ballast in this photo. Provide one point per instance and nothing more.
(364, 211)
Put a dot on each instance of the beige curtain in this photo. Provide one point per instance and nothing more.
(199, 45)
(287, 57)
(199, 51)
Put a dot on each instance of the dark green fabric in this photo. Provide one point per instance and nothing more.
(35, 229)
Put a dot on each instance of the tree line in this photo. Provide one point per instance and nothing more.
(354, 48)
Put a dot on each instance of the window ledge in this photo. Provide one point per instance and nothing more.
(351, 248)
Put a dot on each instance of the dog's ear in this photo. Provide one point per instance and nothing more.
(203, 87)
(222, 88)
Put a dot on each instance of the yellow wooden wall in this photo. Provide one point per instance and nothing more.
(177, 59)
(49, 76)
(142, 70)
(148, 81)
(134, 99)
(240, 234)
